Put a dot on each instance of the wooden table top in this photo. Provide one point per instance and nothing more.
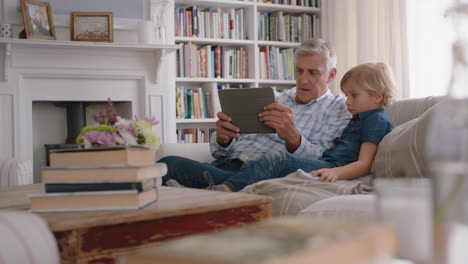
(171, 202)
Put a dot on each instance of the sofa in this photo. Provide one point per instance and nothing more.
(400, 155)
(14, 171)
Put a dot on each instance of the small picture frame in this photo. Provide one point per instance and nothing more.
(92, 26)
(37, 18)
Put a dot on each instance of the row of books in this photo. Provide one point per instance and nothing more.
(195, 103)
(286, 27)
(207, 61)
(276, 63)
(308, 3)
(210, 22)
(118, 178)
(194, 135)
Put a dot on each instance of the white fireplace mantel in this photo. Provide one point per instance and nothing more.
(45, 70)
(6, 44)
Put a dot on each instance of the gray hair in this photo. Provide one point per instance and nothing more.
(320, 47)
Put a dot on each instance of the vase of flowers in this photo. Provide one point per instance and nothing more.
(158, 10)
(447, 149)
(113, 130)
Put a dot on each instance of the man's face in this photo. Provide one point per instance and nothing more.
(312, 78)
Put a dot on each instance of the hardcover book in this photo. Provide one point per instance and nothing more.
(136, 156)
(111, 173)
(298, 240)
(100, 186)
(90, 201)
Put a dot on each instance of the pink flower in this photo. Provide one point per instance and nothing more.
(150, 119)
(101, 138)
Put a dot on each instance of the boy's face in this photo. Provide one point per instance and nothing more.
(359, 100)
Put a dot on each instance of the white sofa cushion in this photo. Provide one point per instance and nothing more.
(401, 154)
(26, 238)
(356, 206)
(196, 151)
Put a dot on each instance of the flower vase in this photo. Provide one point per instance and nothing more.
(160, 34)
(447, 153)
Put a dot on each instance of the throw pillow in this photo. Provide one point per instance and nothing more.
(401, 154)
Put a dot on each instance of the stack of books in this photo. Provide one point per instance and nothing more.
(117, 178)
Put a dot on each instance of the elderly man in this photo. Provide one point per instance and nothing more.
(306, 119)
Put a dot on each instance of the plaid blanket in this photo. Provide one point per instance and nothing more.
(299, 189)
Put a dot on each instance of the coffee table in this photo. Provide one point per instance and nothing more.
(97, 236)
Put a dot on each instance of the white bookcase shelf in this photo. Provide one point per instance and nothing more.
(196, 121)
(213, 41)
(214, 80)
(252, 45)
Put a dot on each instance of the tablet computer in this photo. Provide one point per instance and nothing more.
(244, 104)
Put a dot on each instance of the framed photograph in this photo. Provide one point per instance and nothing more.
(92, 26)
(37, 18)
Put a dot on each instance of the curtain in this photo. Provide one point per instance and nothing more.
(368, 31)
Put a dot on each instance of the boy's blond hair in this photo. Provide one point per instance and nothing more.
(373, 78)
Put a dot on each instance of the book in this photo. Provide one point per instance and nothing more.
(111, 173)
(244, 105)
(90, 201)
(279, 240)
(136, 156)
(99, 186)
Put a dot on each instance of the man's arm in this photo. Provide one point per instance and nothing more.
(353, 170)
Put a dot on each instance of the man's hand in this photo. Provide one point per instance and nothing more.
(225, 131)
(279, 117)
(326, 175)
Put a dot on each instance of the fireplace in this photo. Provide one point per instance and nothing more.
(76, 118)
(40, 76)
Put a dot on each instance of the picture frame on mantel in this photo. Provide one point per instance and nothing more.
(37, 18)
(92, 26)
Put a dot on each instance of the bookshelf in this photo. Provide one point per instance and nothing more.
(235, 44)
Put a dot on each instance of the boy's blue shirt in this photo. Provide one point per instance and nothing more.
(370, 126)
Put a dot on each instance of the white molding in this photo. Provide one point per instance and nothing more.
(7, 115)
(157, 109)
(34, 43)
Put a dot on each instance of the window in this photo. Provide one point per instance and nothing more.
(430, 36)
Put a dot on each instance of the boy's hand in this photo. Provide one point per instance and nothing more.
(326, 175)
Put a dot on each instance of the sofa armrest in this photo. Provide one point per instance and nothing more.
(196, 151)
(15, 172)
(26, 238)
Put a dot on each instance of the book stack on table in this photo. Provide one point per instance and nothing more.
(117, 178)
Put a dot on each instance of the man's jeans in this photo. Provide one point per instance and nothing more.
(235, 174)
